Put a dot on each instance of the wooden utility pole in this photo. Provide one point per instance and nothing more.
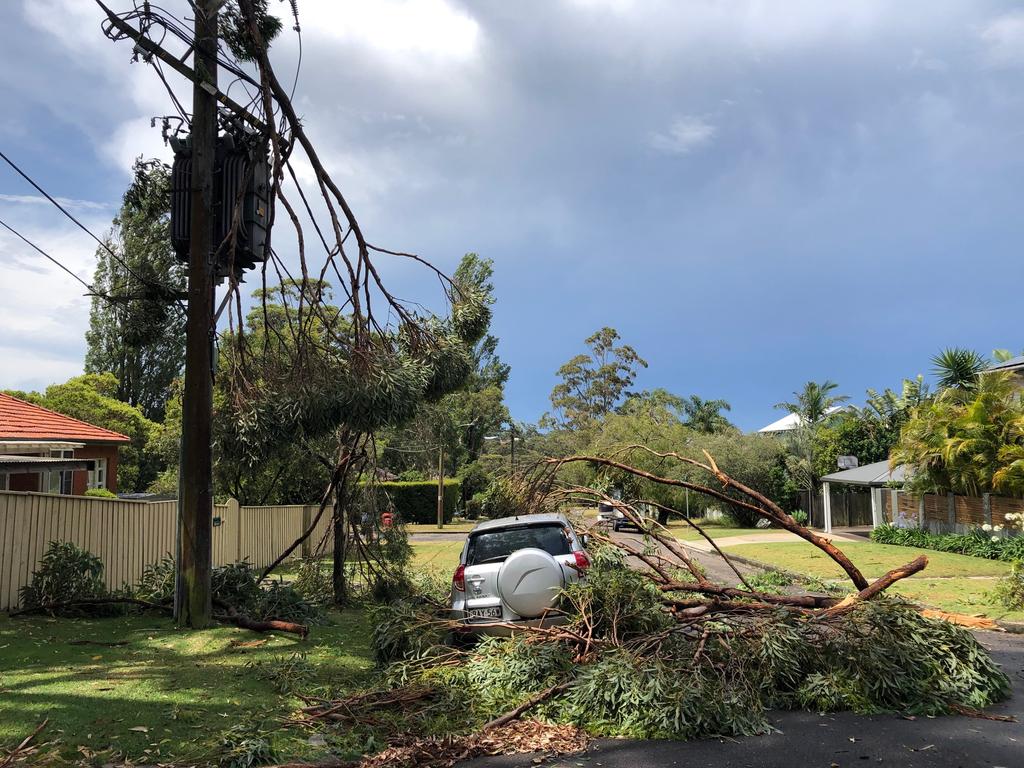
(192, 595)
(440, 486)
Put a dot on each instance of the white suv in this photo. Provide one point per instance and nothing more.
(512, 571)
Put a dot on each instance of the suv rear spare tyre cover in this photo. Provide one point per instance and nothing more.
(529, 582)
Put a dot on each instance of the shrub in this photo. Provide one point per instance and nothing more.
(66, 573)
(474, 478)
(416, 501)
(1009, 590)
(236, 585)
(402, 631)
(499, 500)
(800, 516)
(474, 507)
(977, 543)
(770, 582)
(313, 581)
(100, 493)
(157, 582)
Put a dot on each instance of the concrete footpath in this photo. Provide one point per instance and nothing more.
(767, 537)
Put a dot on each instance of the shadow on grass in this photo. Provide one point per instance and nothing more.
(166, 694)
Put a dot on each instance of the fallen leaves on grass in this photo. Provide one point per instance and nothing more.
(23, 749)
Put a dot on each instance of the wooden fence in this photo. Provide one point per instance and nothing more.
(947, 513)
(129, 535)
(851, 506)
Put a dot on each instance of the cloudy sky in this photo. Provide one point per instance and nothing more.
(753, 193)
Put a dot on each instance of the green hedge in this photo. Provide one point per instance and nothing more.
(977, 543)
(416, 501)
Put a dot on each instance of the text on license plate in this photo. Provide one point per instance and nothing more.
(494, 612)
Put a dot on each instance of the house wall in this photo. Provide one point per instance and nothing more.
(80, 481)
(26, 482)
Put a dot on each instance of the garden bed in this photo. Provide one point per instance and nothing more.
(978, 543)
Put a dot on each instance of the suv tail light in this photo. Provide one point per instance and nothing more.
(459, 579)
(581, 560)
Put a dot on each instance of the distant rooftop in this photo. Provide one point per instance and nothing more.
(876, 474)
(790, 422)
(1013, 364)
(25, 421)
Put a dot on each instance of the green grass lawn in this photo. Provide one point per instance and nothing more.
(934, 586)
(440, 557)
(164, 695)
(872, 559)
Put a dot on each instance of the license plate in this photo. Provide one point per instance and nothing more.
(494, 612)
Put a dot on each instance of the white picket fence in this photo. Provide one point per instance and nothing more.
(129, 535)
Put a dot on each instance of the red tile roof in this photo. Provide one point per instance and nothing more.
(24, 421)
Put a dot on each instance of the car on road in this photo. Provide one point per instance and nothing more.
(610, 515)
(512, 572)
(607, 513)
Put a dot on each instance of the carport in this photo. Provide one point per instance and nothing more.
(876, 477)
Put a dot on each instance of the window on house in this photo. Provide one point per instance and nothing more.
(98, 476)
(60, 482)
(3, 482)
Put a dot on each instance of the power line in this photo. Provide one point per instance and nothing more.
(153, 284)
(92, 290)
(28, 242)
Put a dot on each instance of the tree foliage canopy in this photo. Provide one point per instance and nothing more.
(137, 335)
(958, 368)
(594, 383)
(967, 441)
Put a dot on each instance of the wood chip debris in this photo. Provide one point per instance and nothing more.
(516, 737)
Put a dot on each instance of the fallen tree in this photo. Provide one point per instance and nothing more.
(652, 647)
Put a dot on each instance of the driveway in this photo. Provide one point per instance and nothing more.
(844, 740)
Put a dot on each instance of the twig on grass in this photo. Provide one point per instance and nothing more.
(23, 749)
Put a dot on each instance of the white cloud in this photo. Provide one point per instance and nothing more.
(423, 28)
(44, 310)
(920, 60)
(1004, 41)
(686, 134)
(67, 202)
(134, 138)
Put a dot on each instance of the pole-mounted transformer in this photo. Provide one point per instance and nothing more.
(241, 183)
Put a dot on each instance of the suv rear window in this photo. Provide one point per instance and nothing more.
(495, 546)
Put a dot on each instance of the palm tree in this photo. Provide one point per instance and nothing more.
(969, 444)
(706, 415)
(958, 368)
(814, 403)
